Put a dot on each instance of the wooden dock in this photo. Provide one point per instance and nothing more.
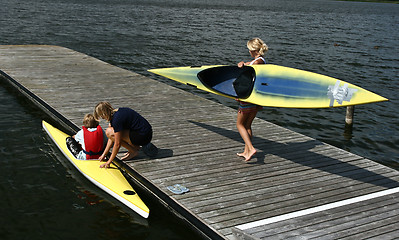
(294, 188)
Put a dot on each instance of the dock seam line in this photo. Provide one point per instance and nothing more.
(316, 209)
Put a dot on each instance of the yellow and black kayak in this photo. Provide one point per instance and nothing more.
(272, 85)
(111, 179)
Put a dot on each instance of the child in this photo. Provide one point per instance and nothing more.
(91, 137)
(247, 111)
(127, 128)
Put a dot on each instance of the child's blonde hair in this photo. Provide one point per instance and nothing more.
(103, 110)
(256, 44)
(89, 121)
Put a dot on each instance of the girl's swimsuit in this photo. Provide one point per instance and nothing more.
(253, 61)
(245, 107)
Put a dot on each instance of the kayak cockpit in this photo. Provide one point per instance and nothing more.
(229, 80)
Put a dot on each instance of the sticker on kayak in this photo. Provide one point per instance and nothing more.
(340, 93)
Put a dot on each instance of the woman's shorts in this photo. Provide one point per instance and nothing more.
(245, 107)
(140, 140)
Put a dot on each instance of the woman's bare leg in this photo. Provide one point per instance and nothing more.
(244, 122)
(126, 143)
(133, 150)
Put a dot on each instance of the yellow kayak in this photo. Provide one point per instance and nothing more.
(111, 180)
(272, 85)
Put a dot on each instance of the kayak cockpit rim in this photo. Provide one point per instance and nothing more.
(229, 80)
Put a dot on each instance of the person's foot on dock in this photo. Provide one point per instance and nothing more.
(129, 156)
(250, 155)
(241, 154)
(247, 155)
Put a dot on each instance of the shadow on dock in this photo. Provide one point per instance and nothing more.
(162, 153)
(305, 157)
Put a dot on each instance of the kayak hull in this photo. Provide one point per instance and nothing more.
(272, 86)
(111, 179)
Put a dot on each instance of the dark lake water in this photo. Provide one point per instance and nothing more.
(43, 197)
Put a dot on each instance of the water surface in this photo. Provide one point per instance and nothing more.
(43, 197)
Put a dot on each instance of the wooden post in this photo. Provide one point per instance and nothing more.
(350, 111)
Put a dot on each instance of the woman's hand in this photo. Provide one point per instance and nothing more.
(104, 165)
(105, 153)
(241, 64)
(101, 158)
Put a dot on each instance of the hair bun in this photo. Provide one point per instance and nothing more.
(256, 44)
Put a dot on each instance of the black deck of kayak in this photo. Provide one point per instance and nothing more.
(229, 80)
(286, 192)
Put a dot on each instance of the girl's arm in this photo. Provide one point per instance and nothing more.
(242, 64)
(106, 150)
(115, 149)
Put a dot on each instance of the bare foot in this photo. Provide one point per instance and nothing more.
(250, 154)
(241, 154)
(129, 156)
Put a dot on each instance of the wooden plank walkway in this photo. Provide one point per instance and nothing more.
(263, 199)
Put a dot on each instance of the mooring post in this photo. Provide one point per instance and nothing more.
(350, 111)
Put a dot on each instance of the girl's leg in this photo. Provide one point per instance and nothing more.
(125, 141)
(248, 126)
(241, 119)
(248, 122)
(244, 122)
(110, 133)
(133, 150)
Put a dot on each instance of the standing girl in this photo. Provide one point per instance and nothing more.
(247, 111)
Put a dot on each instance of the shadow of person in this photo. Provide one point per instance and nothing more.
(310, 153)
(160, 153)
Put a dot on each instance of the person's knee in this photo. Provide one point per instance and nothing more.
(110, 133)
(248, 126)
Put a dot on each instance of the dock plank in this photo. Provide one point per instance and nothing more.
(198, 140)
(316, 225)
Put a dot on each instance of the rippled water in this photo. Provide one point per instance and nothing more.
(355, 42)
(44, 197)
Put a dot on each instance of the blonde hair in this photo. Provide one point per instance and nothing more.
(89, 121)
(104, 110)
(256, 44)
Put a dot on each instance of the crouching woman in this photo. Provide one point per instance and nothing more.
(126, 128)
